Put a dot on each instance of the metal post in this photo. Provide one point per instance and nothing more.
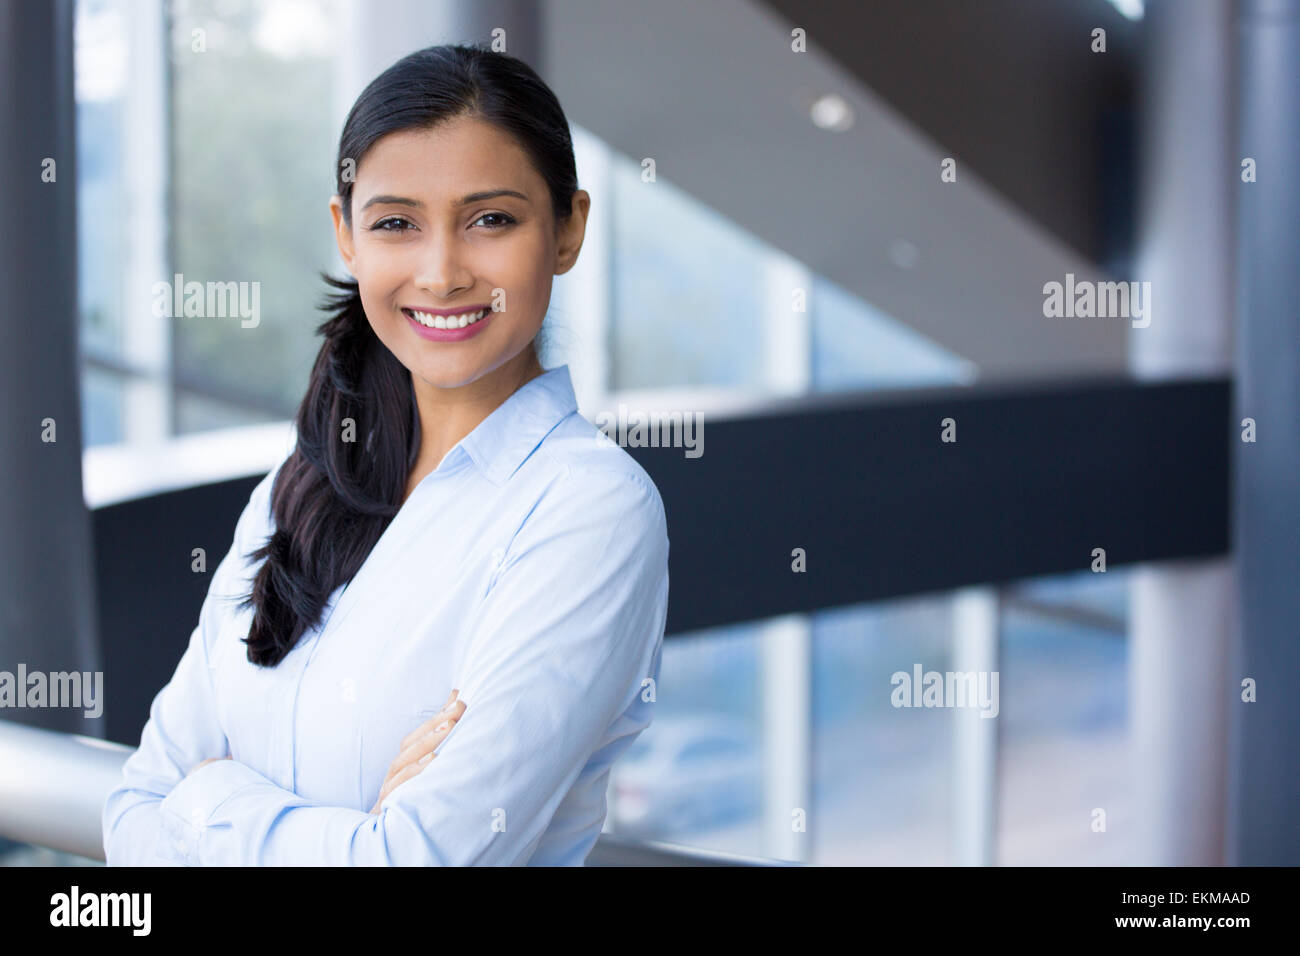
(1266, 764)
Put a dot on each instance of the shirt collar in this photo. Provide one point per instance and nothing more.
(500, 443)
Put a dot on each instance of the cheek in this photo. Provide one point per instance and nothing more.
(385, 322)
(520, 261)
(383, 268)
(528, 284)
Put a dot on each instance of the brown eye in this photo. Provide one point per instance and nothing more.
(506, 219)
(381, 225)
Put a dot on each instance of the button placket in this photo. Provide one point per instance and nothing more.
(291, 722)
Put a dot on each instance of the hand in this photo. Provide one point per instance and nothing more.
(416, 748)
(209, 760)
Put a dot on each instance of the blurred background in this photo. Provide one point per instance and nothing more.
(795, 147)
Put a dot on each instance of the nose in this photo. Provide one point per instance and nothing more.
(443, 271)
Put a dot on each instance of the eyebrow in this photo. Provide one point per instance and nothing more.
(463, 201)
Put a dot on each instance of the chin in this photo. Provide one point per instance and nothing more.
(445, 375)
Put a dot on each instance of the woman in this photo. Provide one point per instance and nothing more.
(447, 526)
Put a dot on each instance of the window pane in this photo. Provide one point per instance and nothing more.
(881, 774)
(22, 854)
(252, 176)
(101, 407)
(678, 783)
(102, 51)
(100, 64)
(687, 287)
(1063, 725)
(196, 413)
(857, 346)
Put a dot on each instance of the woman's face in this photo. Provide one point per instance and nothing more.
(454, 220)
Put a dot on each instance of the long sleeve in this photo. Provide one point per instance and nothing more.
(559, 647)
(183, 727)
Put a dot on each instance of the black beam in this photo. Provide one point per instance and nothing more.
(149, 598)
(1039, 476)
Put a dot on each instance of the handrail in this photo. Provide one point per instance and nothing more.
(53, 791)
(54, 786)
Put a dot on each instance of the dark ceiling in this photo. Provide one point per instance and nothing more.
(1011, 88)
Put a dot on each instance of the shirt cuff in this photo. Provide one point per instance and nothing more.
(185, 811)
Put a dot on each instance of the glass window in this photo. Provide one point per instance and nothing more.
(252, 174)
(102, 51)
(712, 748)
(22, 854)
(687, 290)
(242, 181)
(1064, 722)
(881, 774)
(857, 346)
(694, 776)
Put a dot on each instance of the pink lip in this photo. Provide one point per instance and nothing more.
(449, 335)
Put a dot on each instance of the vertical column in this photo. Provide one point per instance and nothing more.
(46, 585)
(786, 645)
(1266, 752)
(1182, 611)
(147, 340)
(787, 331)
(977, 622)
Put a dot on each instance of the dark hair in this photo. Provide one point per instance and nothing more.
(332, 498)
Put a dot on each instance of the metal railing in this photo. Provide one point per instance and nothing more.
(54, 785)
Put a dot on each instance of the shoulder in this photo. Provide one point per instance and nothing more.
(585, 494)
(588, 467)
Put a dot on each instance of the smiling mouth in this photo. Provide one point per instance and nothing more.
(429, 320)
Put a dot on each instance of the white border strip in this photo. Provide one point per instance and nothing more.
(124, 472)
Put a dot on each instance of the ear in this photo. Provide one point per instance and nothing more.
(572, 231)
(343, 234)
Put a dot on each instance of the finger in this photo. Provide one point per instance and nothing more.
(424, 743)
(406, 774)
(435, 719)
(427, 737)
(452, 711)
(430, 726)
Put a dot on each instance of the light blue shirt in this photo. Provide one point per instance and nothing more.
(529, 570)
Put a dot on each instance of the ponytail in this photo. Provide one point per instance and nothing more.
(336, 493)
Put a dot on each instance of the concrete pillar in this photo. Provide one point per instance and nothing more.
(1266, 751)
(47, 598)
(1182, 612)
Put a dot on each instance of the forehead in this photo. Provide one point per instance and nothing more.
(445, 162)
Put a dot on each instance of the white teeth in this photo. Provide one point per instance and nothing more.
(448, 321)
